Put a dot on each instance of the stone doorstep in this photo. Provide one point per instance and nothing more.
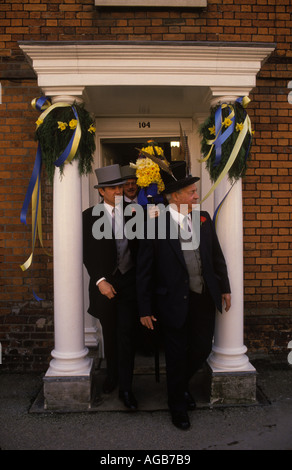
(85, 395)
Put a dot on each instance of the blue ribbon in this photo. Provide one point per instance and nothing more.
(38, 104)
(36, 175)
(36, 172)
(222, 137)
(149, 195)
(239, 100)
(62, 158)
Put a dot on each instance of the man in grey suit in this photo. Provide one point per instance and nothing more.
(110, 261)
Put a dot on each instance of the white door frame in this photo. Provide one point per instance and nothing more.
(64, 70)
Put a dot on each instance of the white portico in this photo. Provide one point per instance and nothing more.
(127, 84)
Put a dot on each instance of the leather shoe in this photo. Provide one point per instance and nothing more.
(191, 404)
(180, 419)
(129, 400)
(109, 385)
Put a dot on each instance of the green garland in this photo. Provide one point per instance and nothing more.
(55, 132)
(207, 132)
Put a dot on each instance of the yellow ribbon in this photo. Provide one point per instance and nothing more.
(240, 139)
(77, 135)
(36, 228)
(44, 106)
(212, 142)
(36, 210)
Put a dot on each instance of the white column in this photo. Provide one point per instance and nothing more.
(70, 354)
(228, 353)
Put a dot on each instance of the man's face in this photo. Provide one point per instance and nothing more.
(130, 188)
(186, 198)
(110, 193)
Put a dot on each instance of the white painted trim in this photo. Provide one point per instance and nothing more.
(78, 65)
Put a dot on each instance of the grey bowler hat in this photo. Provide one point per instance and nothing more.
(108, 176)
(128, 172)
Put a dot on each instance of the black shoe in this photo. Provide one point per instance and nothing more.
(191, 404)
(129, 400)
(109, 385)
(180, 419)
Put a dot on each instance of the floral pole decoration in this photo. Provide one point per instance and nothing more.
(64, 133)
(225, 145)
(148, 165)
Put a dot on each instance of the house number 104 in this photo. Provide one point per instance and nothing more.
(144, 124)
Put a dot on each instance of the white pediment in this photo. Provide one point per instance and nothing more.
(81, 64)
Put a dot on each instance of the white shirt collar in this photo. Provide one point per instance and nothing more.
(134, 201)
(108, 208)
(178, 217)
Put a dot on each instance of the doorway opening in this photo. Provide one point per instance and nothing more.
(126, 150)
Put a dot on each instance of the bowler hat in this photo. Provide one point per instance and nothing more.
(109, 176)
(128, 172)
(181, 179)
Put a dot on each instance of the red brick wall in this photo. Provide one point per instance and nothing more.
(267, 213)
(25, 325)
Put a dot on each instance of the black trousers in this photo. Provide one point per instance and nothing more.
(119, 324)
(187, 348)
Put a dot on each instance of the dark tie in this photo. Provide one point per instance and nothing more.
(124, 260)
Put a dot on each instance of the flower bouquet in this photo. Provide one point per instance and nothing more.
(151, 159)
(55, 134)
(220, 137)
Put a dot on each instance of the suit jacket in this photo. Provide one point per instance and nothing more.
(162, 276)
(100, 260)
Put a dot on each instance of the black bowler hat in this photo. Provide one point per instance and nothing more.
(181, 180)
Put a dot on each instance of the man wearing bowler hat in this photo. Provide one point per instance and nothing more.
(180, 281)
(110, 261)
(130, 187)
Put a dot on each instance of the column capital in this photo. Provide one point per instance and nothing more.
(223, 94)
(66, 94)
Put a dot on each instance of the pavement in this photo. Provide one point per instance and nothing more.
(107, 426)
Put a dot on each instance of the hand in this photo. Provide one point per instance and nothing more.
(106, 289)
(153, 211)
(226, 299)
(148, 321)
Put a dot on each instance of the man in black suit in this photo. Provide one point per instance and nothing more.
(181, 288)
(110, 260)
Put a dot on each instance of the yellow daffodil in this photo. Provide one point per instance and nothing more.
(227, 122)
(150, 150)
(239, 127)
(62, 125)
(39, 122)
(148, 172)
(92, 129)
(73, 123)
(212, 130)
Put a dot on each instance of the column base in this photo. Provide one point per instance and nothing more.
(69, 393)
(231, 388)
